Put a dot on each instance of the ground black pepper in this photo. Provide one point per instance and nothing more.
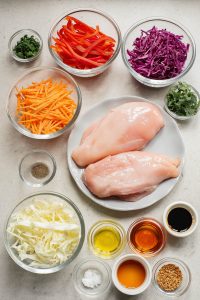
(39, 170)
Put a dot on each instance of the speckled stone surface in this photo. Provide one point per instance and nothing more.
(16, 284)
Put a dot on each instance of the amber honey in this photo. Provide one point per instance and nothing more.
(146, 236)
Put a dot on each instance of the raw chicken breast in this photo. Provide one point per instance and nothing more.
(127, 174)
(127, 127)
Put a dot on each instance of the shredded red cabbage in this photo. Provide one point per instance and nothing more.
(158, 54)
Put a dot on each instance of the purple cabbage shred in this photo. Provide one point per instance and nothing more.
(158, 54)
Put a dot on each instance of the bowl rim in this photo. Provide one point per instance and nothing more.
(102, 223)
(87, 71)
(162, 229)
(25, 60)
(84, 261)
(59, 132)
(143, 286)
(52, 173)
(57, 267)
(185, 205)
(173, 114)
(178, 262)
(154, 82)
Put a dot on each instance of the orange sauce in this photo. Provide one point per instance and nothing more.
(131, 274)
(147, 237)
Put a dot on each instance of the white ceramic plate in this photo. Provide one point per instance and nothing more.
(168, 141)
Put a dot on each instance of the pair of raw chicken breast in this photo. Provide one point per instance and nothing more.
(109, 151)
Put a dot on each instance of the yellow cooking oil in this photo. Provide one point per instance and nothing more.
(107, 240)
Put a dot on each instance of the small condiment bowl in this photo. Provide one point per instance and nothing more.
(92, 264)
(186, 280)
(32, 159)
(193, 213)
(92, 17)
(174, 115)
(17, 36)
(143, 286)
(147, 222)
(161, 23)
(100, 226)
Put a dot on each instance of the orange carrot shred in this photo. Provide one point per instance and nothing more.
(45, 107)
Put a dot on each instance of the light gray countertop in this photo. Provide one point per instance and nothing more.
(17, 284)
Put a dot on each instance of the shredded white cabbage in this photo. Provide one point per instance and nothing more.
(46, 233)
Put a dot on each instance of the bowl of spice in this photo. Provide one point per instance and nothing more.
(44, 103)
(146, 236)
(180, 219)
(182, 101)
(131, 274)
(171, 277)
(37, 168)
(92, 277)
(106, 239)
(84, 42)
(25, 45)
(158, 51)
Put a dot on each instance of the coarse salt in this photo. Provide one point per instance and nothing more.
(91, 278)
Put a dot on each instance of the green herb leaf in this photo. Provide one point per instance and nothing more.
(183, 100)
(27, 47)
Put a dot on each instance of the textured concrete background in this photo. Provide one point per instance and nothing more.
(16, 284)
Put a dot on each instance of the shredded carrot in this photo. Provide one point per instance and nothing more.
(45, 107)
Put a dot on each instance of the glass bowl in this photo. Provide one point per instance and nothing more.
(38, 74)
(30, 168)
(9, 240)
(92, 17)
(106, 225)
(17, 36)
(151, 224)
(185, 273)
(174, 115)
(161, 23)
(92, 264)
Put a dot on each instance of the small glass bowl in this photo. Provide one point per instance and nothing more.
(184, 270)
(9, 240)
(38, 74)
(32, 159)
(161, 23)
(92, 264)
(92, 17)
(100, 225)
(141, 222)
(17, 36)
(174, 115)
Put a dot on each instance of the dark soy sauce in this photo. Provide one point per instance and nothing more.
(179, 219)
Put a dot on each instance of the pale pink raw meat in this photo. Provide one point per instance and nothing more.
(127, 127)
(128, 174)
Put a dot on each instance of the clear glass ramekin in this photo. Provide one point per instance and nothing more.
(32, 159)
(185, 273)
(99, 226)
(146, 221)
(17, 36)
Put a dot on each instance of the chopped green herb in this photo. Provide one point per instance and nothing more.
(27, 47)
(182, 100)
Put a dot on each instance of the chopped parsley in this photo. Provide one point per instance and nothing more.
(27, 47)
(183, 100)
